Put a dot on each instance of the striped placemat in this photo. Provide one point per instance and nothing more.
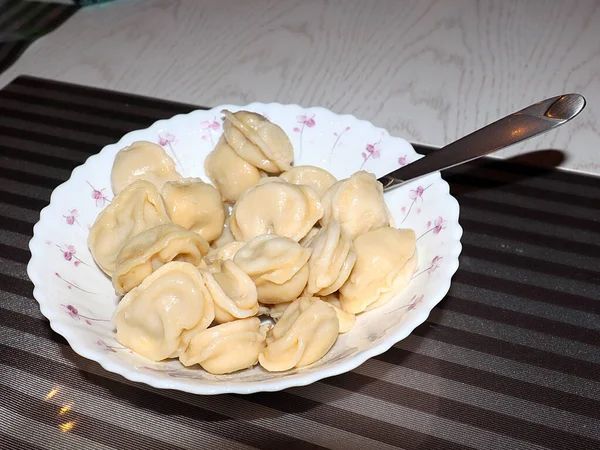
(509, 360)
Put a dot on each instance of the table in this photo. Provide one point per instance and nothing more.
(508, 360)
(430, 71)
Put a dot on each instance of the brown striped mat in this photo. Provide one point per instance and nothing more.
(509, 360)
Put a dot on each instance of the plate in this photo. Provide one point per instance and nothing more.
(78, 299)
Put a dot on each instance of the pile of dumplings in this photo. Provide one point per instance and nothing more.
(198, 264)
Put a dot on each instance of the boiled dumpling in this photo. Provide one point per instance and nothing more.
(233, 292)
(195, 205)
(228, 347)
(306, 240)
(227, 251)
(357, 204)
(275, 207)
(153, 248)
(304, 334)
(226, 235)
(315, 177)
(142, 160)
(273, 311)
(259, 141)
(331, 261)
(277, 265)
(346, 319)
(137, 208)
(158, 318)
(385, 262)
(231, 174)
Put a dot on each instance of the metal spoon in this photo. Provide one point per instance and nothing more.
(527, 123)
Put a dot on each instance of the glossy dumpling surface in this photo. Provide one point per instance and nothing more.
(228, 347)
(357, 204)
(385, 261)
(233, 292)
(195, 205)
(315, 177)
(227, 251)
(142, 160)
(275, 207)
(331, 261)
(231, 174)
(277, 265)
(305, 332)
(346, 319)
(137, 208)
(158, 318)
(153, 248)
(259, 141)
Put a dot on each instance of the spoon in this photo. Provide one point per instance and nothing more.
(517, 127)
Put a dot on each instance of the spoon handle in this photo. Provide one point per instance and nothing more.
(527, 123)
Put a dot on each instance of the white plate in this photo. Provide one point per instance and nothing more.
(78, 299)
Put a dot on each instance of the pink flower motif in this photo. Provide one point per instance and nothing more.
(347, 129)
(428, 224)
(210, 125)
(440, 224)
(416, 194)
(71, 217)
(296, 130)
(418, 210)
(72, 311)
(48, 242)
(99, 196)
(76, 263)
(165, 138)
(105, 346)
(402, 160)
(373, 150)
(306, 120)
(414, 302)
(69, 252)
(435, 263)
(403, 209)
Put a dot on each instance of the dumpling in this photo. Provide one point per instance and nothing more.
(152, 249)
(233, 292)
(315, 177)
(273, 311)
(331, 261)
(158, 318)
(259, 141)
(275, 207)
(304, 334)
(357, 204)
(226, 235)
(385, 261)
(231, 174)
(228, 347)
(142, 160)
(306, 240)
(195, 205)
(277, 265)
(137, 208)
(346, 319)
(227, 251)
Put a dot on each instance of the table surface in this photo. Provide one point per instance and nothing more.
(430, 71)
(508, 360)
